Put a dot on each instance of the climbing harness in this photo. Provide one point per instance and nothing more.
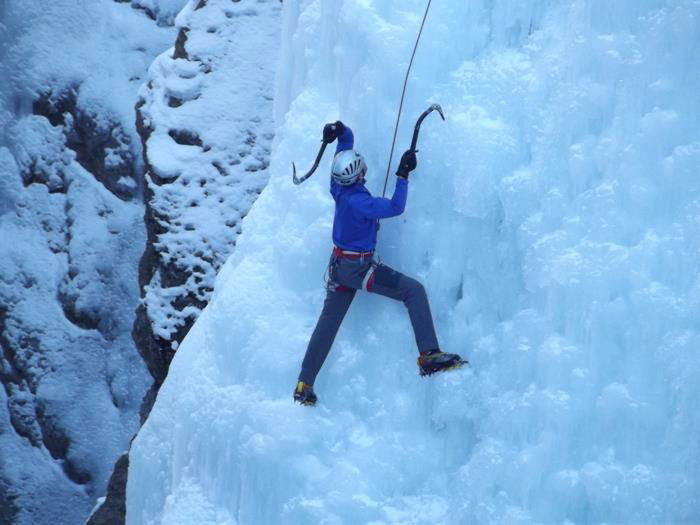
(368, 281)
(330, 275)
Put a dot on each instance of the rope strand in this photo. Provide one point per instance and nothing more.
(403, 93)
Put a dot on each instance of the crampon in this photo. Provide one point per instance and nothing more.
(304, 394)
(436, 361)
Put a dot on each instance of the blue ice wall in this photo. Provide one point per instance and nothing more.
(555, 221)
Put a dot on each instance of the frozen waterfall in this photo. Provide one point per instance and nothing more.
(555, 221)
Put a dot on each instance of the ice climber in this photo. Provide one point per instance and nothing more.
(352, 265)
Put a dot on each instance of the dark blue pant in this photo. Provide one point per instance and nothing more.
(346, 276)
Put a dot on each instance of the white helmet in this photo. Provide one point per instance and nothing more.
(348, 167)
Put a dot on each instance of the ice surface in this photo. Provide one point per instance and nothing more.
(554, 218)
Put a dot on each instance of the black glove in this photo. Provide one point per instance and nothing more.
(407, 165)
(332, 131)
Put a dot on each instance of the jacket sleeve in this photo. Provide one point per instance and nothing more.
(345, 141)
(370, 207)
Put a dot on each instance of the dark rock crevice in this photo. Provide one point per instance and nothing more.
(55, 182)
(101, 146)
(86, 320)
(113, 510)
(157, 354)
(28, 415)
(156, 351)
(19, 386)
(154, 13)
(185, 137)
(53, 437)
(55, 107)
(180, 51)
(150, 13)
(8, 505)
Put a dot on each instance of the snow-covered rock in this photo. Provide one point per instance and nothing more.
(206, 146)
(71, 224)
(205, 117)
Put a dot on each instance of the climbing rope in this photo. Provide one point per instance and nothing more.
(403, 93)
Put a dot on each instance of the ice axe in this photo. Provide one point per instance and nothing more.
(414, 141)
(299, 180)
(416, 130)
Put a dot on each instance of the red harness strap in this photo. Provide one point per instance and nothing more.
(370, 281)
(351, 255)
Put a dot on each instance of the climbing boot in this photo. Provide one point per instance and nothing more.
(437, 361)
(304, 394)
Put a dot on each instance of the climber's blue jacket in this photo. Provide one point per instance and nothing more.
(355, 223)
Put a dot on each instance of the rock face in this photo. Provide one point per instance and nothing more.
(70, 371)
(71, 187)
(205, 119)
(160, 11)
(113, 508)
(85, 286)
